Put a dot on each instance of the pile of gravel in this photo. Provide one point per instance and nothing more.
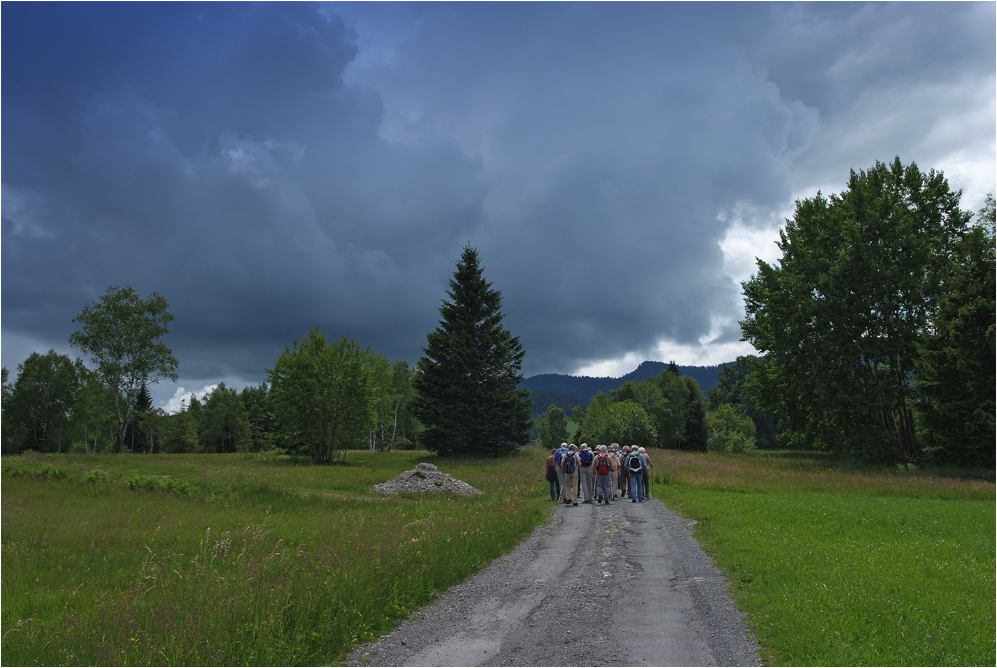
(425, 478)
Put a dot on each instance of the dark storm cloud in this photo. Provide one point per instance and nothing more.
(211, 154)
(270, 167)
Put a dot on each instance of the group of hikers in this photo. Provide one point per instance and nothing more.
(604, 473)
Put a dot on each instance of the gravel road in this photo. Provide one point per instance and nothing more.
(623, 584)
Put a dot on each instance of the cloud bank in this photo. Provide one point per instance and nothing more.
(269, 167)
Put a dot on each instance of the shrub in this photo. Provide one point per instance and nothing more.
(729, 430)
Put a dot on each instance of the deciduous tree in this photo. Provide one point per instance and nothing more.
(552, 429)
(42, 402)
(121, 334)
(840, 315)
(322, 397)
(729, 430)
(224, 425)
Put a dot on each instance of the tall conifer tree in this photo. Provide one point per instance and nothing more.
(467, 388)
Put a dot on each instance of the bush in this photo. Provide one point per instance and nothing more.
(40, 471)
(403, 443)
(729, 430)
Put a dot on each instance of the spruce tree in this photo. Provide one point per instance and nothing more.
(467, 388)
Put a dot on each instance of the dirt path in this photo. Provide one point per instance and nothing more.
(623, 584)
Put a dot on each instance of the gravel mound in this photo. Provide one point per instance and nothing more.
(425, 478)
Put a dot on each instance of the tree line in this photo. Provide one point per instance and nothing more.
(664, 411)
(320, 399)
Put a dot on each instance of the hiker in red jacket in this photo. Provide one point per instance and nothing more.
(603, 467)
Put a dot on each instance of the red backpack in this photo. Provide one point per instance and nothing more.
(602, 465)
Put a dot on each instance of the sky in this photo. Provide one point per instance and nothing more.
(619, 167)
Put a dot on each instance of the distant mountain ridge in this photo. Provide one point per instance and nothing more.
(556, 388)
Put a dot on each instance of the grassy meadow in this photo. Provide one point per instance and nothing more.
(231, 559)
(838, 565)
(226, 559)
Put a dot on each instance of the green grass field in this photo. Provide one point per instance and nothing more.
(226, 559)
(839, 566)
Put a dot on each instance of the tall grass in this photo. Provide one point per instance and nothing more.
(221, 560)
(839, 565)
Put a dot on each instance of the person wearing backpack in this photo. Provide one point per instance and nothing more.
(558, 457)
(646, 481)
(585, 478)
(624, 475)
(604, 467)
(636, 466)
(570, 463)
(617, 458)
(555, 484)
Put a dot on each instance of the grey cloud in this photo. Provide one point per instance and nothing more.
(271, 167)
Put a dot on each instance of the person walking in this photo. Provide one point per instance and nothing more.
(636, 465)
(570, 463)
(617, 457)
(646, 481)
(624, 474)
(585, 458)
(604, 467)
(558, 457)
(555, 483)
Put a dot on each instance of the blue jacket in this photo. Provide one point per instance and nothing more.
(559, 455)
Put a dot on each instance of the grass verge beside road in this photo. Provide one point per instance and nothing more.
(225, 560)
(845, 566)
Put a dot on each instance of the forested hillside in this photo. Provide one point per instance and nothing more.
(569, 391)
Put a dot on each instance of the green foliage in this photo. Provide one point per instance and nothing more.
(740, 385)
(148, 483)
(552, 430)
(223, 425)
(181, 430)
(840, 316)
(405, 426)
(467, 388)
(384, 401)
(322, 396)
(729, 430)
(38, 471)
(612, 420)
(632, 425)
(37, 415)
(94, 419)
(121, 333)
(259, 412)
(956, 363)
(671, 404)
(543, 398)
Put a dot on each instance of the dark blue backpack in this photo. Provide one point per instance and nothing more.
(586, 456)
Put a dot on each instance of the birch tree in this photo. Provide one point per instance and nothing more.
(121, 334)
